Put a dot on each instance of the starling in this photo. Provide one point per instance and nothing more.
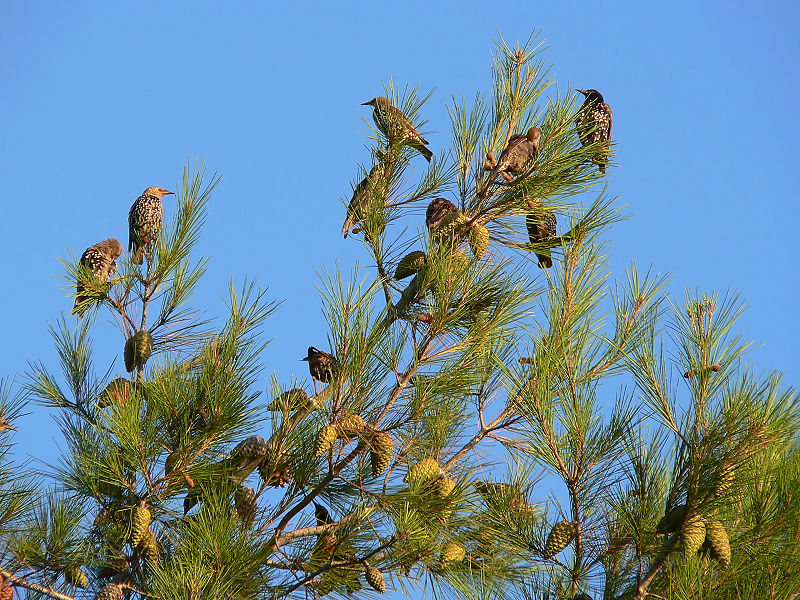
(320, 365)
(101, 260)
(594, 123)
(144, 221)
(438, 209)
(361, 199)
(541, 228)
(396, 126)
(321, 514)
(519, 155)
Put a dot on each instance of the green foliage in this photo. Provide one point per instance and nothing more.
(532, 424)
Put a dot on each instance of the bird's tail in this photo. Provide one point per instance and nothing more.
(424, 150)
(137, 256)
(348, 225)
(545, 261)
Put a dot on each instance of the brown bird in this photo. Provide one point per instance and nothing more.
(519, 154)
(361, 199)
(593, 123)
(542, 228)
(320, 365)
(144, 221)
(396, 127)
(101, 261)
(438, 209)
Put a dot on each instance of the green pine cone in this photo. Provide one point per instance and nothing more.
(381, 452)
(423, 474)
(75, 576)
(375, 579)
(693, 535)
(138, 349)
(453, 553)
(110, 591)
(140, 522)
(148, 549)
(410, 264)
(325, 439)
(717, 539)
(559, 538)
(445, 485)
(173, 458)
(478, 240)
(253, 447)
(724, 480)
(350, 425)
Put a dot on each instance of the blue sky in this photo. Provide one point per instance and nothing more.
(101, 100)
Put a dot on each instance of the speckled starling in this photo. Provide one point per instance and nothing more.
(396, 126)
(519, 154)
(320, 364)
(144, 221)
(361, 198)
(541, 228)
(594, 124)
(438, 209)
(100, 259)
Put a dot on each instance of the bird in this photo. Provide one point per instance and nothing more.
(321, 514)
(541, 228)
(320, 365)
(396, 126)
(594, 123)
(100, 259)
(361, 199)
(519, 154)
(437, 210)
(144, 221)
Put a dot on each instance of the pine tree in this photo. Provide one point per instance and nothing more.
(463, 438)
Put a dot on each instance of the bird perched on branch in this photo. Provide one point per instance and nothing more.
(320, 365)
(101, 260)
(361, 198)
(396, 126)
(438, 209)
(541, 228)
(519, 154)
(144, 221)
(594, 124)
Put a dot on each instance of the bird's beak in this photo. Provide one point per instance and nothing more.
(367, 103)
(167, 192)
(584, 92)
(306, 358)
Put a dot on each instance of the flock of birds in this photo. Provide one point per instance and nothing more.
(593, 123)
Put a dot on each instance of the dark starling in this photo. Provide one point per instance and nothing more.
(519, 155)
(541, 228)
(321, 514)
(144, 221)
(361, 199)
(100, 259)
(438, 209)
(594, 124)
(320, 364)
(396, 127)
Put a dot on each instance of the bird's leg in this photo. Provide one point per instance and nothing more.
(315, 385)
